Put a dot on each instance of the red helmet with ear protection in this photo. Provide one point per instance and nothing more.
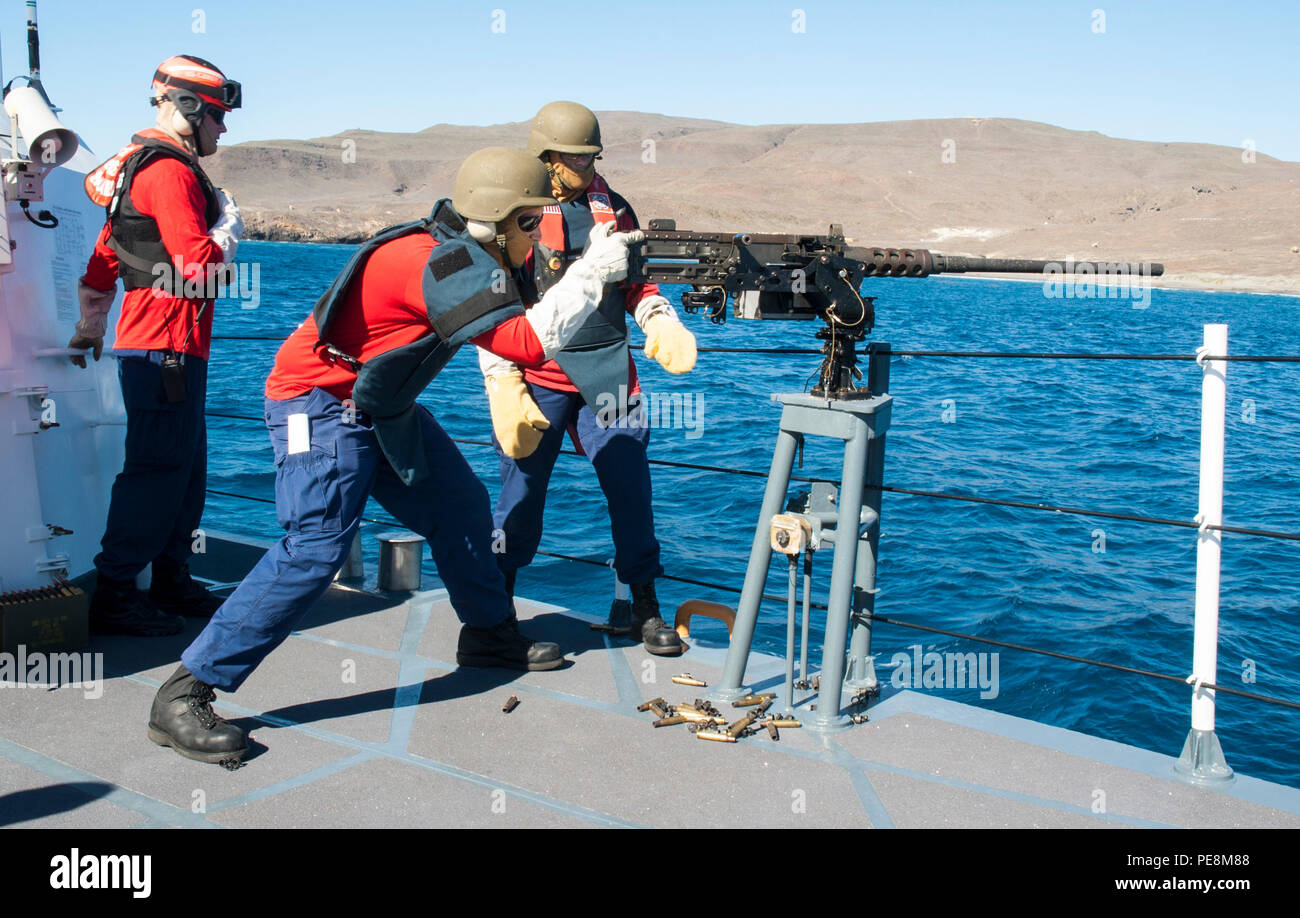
(197, 77)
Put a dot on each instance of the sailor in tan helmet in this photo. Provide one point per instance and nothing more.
(590, 387)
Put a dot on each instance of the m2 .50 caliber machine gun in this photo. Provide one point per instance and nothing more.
(773, 276)
(817, 277)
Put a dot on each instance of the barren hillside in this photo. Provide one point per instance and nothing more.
(992, 186)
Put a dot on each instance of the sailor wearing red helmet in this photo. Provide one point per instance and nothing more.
(168, 231)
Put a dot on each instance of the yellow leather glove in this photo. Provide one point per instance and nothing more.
(516, 419)
(668, 341)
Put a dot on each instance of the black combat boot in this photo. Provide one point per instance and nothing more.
(504, 645)
(117, 607)
(620, 616)
(182, 718)
(648, 627)
(174, 591)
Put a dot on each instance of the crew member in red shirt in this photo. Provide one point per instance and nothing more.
(168, 233)
(344, 423)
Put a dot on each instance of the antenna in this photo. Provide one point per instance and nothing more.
(34, 54)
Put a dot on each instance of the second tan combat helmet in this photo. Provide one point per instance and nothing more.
(565, 127)
(494, 181)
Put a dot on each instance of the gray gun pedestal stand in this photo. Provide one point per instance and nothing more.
(861, 424)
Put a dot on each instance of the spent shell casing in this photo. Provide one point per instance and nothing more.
(699, 717)
(784, 722)
(762, 708)
(688, 679)
(658, 711)
(511, 703)
(715, 736)
(670, 721)
(649, 704)
(739, 726)
(772, 731)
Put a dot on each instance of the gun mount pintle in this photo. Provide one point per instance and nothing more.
(779, 276)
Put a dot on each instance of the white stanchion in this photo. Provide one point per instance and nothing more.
(1202, 759)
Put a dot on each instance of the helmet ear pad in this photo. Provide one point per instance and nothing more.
(481, 231)
(189, 111)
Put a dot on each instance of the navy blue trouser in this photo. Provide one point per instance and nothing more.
(157, 498)
(320, 494)
(618, 454)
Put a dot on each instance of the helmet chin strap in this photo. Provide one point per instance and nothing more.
(486, 233)
(558, 179)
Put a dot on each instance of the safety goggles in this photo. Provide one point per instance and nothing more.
(230, 93)
(528, 222)
(227, 93)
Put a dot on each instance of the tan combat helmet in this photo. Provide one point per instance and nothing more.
(494, 181)
(565, 127)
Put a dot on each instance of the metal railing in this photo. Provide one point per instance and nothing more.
(1203, 765)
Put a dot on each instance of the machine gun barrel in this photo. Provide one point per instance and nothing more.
(887, 262)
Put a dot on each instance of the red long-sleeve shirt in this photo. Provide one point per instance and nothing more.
(385, 310)
(150, 320)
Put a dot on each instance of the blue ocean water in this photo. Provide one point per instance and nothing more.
(1115, 436)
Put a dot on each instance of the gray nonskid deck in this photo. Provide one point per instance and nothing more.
(362, 719)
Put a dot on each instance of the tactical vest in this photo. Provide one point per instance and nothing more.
(143, 260)
(466, 293)
(595, 358)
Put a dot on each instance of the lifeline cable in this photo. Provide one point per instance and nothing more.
(885, 620)
(914, 492)
(1240, 358)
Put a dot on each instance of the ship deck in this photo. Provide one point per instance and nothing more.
(414, 741)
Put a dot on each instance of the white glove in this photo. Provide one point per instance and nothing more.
(651, 306)
(607, 251)
(95, 306)
(566, 306)
(229, 228)
(493, 364)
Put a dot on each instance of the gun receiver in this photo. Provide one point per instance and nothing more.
(774, 276)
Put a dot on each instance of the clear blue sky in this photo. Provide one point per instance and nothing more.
(1198, 71)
